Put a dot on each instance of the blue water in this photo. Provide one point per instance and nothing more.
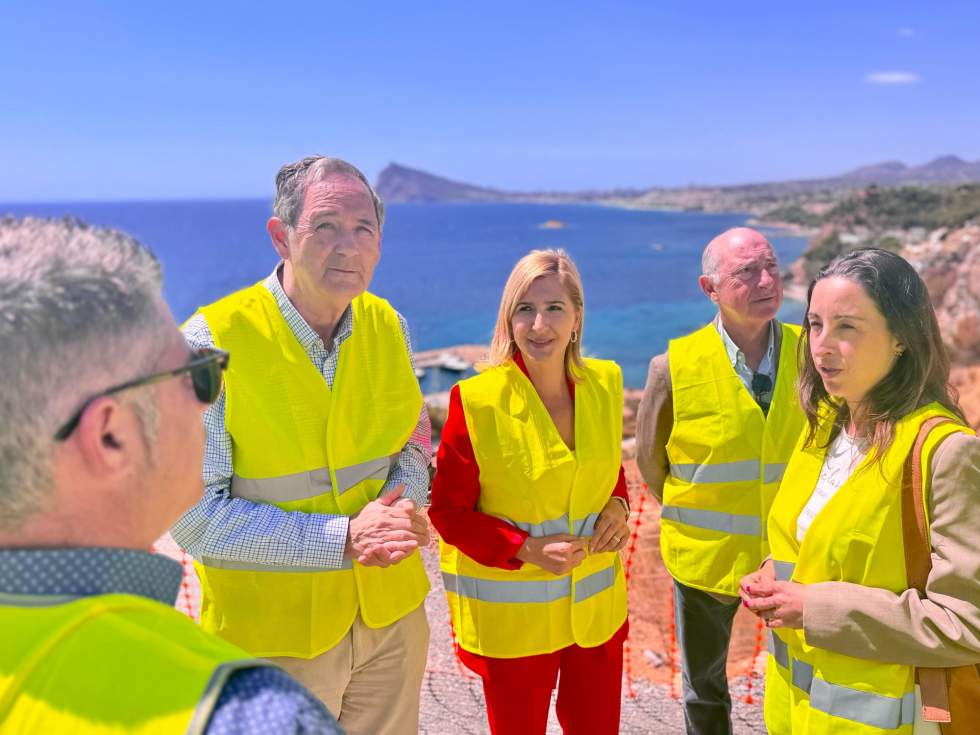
(444, 265)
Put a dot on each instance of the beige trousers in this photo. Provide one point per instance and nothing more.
(370, 681)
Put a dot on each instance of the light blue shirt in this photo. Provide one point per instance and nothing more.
(767, 366)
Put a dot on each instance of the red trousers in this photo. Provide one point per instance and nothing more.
(518, 690)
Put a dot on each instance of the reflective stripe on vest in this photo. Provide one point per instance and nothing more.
(581, 527)
(857, 538)
(784, 570)
(121, 646)
(529, 591)
(726, 461)
(245, 566)
(868, 708)
(309, 484)
(744, 471)
(530, 478)
(714, 520)
(307, 447)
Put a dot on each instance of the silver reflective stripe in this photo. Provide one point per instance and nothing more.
(779, 650)
(773, 472)
(373, 469)
(581, 527)
(713, 520)
(12, 600)
(747, 469)
(868, 708)
(495, 590)
(304, 485)
(245, 566)
(802, 675)
(784, 570)
(595, 583)
(282, 489)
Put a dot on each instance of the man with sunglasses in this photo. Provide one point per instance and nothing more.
(317, 459)
(718, 420)
(101, 446)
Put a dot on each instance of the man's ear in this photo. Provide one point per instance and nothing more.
(708, 286)
(277, 231)
(108, 437)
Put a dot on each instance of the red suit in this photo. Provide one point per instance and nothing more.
(518, 690)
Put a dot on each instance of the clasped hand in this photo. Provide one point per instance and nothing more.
(386, 530)
(779, 604)
(560, 553)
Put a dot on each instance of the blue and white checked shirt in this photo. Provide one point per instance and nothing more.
(258, 700)
(235, 529)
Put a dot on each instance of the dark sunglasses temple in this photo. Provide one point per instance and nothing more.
(205, 368)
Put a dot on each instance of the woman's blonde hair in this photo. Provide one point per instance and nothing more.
(534, 265)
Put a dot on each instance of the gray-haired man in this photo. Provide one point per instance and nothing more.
(317, 460)
(718, 420)
(100, 451)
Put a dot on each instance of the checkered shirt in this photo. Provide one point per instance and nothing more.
(235, 529)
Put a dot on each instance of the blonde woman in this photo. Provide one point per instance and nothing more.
(530, 500)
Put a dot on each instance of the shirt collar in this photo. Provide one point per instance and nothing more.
(737, 357)
(85, 572)
(304, 333)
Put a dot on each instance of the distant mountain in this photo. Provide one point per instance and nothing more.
(398, 183)
(942, 170)
(403, 184)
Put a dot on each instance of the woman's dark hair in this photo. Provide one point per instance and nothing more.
(920, 374)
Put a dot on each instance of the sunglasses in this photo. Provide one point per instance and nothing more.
(762, 390)
(205, 367)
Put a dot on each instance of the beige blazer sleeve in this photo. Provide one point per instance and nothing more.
(944, 628)
(654, 422)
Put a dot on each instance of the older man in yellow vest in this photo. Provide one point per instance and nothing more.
(717, 423)
(101, 445)
(306, 539)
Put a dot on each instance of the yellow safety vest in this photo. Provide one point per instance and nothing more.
(108, 664)
(530, 478)
(301, 446)
(857, 537)
(726, 460)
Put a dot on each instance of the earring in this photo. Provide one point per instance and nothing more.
(574, 335)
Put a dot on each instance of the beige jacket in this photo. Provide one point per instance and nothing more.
(944, 628)
(941, 630)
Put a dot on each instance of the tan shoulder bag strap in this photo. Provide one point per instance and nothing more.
(918, 564)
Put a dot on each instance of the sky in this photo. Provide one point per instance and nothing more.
(124, 100)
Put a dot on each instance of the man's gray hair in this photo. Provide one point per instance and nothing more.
(293, 178)
(79, 312)
(709, 262)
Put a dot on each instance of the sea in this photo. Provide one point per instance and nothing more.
(443, 266)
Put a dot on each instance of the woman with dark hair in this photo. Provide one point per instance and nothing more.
(848, 624)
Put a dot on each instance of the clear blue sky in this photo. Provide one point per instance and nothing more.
(121, 100)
